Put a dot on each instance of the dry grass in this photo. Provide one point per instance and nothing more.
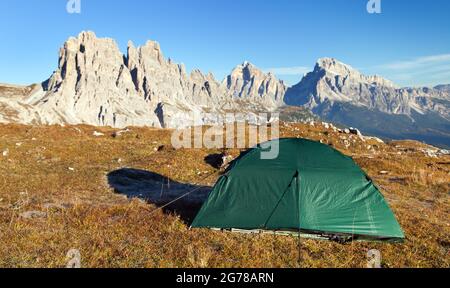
(83, 211)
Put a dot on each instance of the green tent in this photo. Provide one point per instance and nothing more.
(310, 189)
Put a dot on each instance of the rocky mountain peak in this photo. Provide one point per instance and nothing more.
(333, 67)
(248, 81)
(96, 84)
(339, 93)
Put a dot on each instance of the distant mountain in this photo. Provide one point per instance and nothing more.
(339, 93)
(443, 88)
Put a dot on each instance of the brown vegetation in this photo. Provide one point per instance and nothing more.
(62, 171)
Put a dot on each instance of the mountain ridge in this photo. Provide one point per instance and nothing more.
(96, 84)
(339, 93)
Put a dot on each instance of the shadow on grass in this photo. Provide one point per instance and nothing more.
(159, 190)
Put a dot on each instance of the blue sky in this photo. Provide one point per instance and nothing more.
(409, 42)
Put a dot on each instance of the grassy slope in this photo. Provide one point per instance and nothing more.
(112, 231)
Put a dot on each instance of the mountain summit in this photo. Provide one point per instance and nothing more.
(247, 81)
(339, 93)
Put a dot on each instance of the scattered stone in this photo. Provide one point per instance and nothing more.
(383, 172)
(33, 214)
(433, 153)
(71, 169)
(98, 134)
(444, 152)
(347, 131)
(119, 133)
(355, 131)
(5, 153)
(19, 144)
(226, 160)
(375, 139)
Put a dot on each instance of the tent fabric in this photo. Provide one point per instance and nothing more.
(310, 188)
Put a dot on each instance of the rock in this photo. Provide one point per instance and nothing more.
(346, 131)
(226, 160)
(33, 214)
(5, 153)
(444, 152)
(383, 172)
(71, 169)
(119, 133)
(98, 134)
(374, 139)
(432, 153)
(355, 131)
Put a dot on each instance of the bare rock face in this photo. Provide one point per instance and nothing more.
(339, 93)
(96, 84)
(335, 82)
(247, 81)
(13, 106)
(93, 85)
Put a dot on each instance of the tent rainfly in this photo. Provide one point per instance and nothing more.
(309, 189)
